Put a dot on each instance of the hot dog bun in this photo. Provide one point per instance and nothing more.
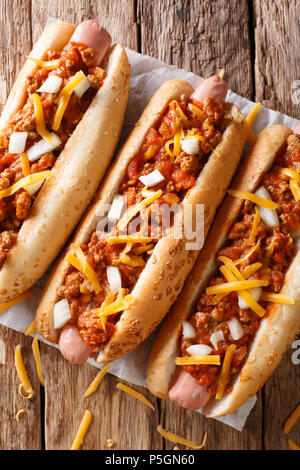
(77, 171)
(165, 272)
(277, 329)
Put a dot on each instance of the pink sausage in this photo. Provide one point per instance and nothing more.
(187, 393)
(213, 87)
(93, 35)
(72, 346)
(297, 129)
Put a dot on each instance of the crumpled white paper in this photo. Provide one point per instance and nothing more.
(147, 74)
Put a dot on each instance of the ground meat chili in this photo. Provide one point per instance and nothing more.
(180, 173)
(275, 252)
(15, 209)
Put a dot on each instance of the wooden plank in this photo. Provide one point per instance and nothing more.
(276, 68)
(116, 416)
(15, 44)
(203, 37)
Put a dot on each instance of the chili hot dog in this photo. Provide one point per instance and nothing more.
(116, 287)
(58, 131)
(238, 312)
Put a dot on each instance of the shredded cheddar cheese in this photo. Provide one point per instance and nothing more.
(64, 97)
(111, 308)
(142, 249)
(16, 300)
(292, 419)
(25, 388)
(249, 253)
(93, 387)
(235, 286)
(132, 260)
(26, 181)
(253, 114)
(37, 358)
(46, 64)
(180, 440)
(39, 119)
(212, 359)
(181, 114)
(139, 396)
(30, 328)
(248, 122)
(246, 296)
(277, 298)
(294, 186)
(82, 430)
(225, 371)
(293, 445)
(25, 164)
(128, 239)
(77, 258)
(291, 174)
(133, 210)
(251, 269)
(176, 143)
(260, 201)
(255, 225)
(19, 414)
(196, 111)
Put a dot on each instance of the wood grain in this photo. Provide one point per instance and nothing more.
(203, 37)
(276, 26)
(260, 42)
(15, 44)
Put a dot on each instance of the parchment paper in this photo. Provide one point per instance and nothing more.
(147, 74)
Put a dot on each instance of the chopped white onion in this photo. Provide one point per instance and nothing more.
(235, 328)
(82, 87)
(114, 278)
(42, 146)
(188, 331)
(199, 350)
(255, 294)
(61, 313)
(34, 187)
(51, 85)
(17, 142)
(152, 178)
(216, 337)
(116, 208)
(269, 216)
(190, 146)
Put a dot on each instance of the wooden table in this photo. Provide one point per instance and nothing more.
(257, 42)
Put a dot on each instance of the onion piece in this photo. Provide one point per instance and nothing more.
(216, 337)
(51, 85)
(199, 350)
(114, 279)
(235, 328)
(255, 293)
(84, 85)
(116, 208)
(61, 314)
(152, 178)
(34, 187)
(42, 146)
(190, 146)
(17, 142)
(188, 331)
(269, 216)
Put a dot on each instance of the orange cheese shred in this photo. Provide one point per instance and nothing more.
(260, 201)
(30, 328)
(25, 164)
(139, 396)
(20, 298)
(93, 387)
(77, 258)
(292, 419)
(39, 119)
(25, 388)
(46, 64)
(170, 436)
(82, 430)
(37, 358)
(225, 371)
(293, 445)
(64, 98)
(211, 359)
